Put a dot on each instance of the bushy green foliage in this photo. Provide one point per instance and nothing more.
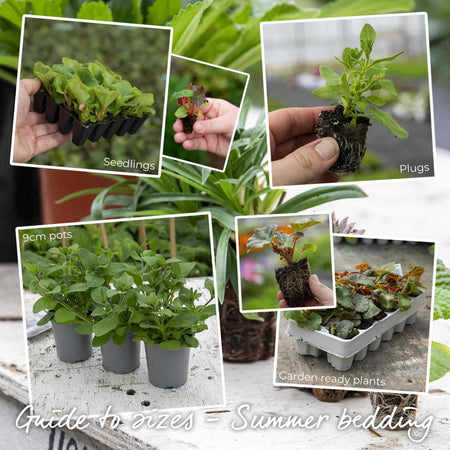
(92, 91)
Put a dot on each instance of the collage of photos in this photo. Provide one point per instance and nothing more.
(197, 182)
(124, 313)
(348, 99)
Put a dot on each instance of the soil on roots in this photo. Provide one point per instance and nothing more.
(188, 124)
(293, 281)
(351, 138)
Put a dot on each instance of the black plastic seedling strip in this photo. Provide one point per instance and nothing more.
(67, 122)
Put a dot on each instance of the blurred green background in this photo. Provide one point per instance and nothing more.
(139, 55)
(258, 284)
(218, 83)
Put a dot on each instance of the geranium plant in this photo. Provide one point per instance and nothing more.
(356, 90)
(293, 279)
(190, 101)
(363, 296)
(92, 91)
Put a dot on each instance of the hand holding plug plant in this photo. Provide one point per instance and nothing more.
(348, 121)
(293, 279)
(190, 101)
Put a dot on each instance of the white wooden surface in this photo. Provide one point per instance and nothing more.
(89, 387)
(250, 383)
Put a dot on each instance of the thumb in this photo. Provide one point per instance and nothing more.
(306, 163)
(322, 292)
(219, 125)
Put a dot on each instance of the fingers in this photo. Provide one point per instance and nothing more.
(34, 118)
(196, 144)
(220, 125)
(322, 292)
(287, 123)
(306, 164)
(178, 126)
(281, 299)
(48, 141)
(44, 128)
(31, 86)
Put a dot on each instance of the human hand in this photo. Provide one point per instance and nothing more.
(212, 131)
(33, 134)
(322, 292)
(297, 156)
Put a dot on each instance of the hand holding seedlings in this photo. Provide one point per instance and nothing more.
(204, 124)
(33, 134)
(354, 88)
(297, 156)
(323, 295)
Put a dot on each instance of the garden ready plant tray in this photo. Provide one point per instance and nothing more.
(342, 352)
(67, 122)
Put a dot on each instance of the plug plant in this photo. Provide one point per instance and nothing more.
(190, 101)
(293, 279)
(356, 89)
(93, 92)
(363, 296)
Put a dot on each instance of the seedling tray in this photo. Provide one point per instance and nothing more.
(67, 122)
(341, 353)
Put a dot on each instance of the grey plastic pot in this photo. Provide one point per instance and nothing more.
(123, 358)
(167, 368)
(70, 346)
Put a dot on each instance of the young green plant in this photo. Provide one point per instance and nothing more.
(293, 279)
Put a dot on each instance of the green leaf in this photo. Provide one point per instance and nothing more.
(343, 328)
(49, 316)
(329, 75)
(63, 315)
(440, 360)
(344, 297)
(98, 341)
(43, 303)
(126, 11)
(105, 326)
(261, 237)
(124, 282)
(186, 268)
(367, 38)
(318, 196)
(361, 105)
(182, 320)
(362, 302)
(388, 86)
(136, 316)
(12, 11)
(181, 112)
(191, 341)
(162, 11)
(84, 328)
(341, 8)
(183, 93)
(329, 91)
(375, 100)
(386, 120)
(95, 11)
(300, 226)
(389, 58)
(371, 311)
(404, 302)
(119, 339)
(78, 287)
(221, 262)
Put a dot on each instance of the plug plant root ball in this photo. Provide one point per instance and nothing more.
(188, 124)
(293, 281)
(350, 138)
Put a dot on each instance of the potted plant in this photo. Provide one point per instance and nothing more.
(167, 317)
(293, 278)
(65, 290)
(348, 121)
(241, 190)
(90, 99)
(190, 101)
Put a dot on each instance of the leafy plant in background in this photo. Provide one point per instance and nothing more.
(226, 32)
(362, 75)
(92, 91)
(190, 101)
(363, 296)
(440, 353)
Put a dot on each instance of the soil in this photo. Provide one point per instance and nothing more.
(351, 138)
(188, 124)
(387, 403)
(366, 323)
(293, 281)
